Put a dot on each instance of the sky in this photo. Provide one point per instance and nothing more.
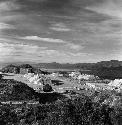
(65, 31)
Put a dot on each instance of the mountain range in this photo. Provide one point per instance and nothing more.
(84, 66)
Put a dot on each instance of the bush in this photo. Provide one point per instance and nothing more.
(47, 88)
(83, 109)
(1, 76)
(79, 111)
(15, 91)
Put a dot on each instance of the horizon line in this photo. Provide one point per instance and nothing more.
(59, 62)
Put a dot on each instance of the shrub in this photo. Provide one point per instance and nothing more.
(47, 88)
(1, 76)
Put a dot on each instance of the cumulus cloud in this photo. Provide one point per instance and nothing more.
(37, 38)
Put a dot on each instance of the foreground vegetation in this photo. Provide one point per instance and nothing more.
(85, 107)
(88, 108)
(11, 90)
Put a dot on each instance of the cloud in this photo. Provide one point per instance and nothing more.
(109, 7)
(97, 27)
(36, 38)
(74, 46)
(25, 52)
(18, 51)
(8, 6)
(12, 47)
(61, 27)
(80, 54)
(6, 26)
(63, 56)
(104, 28)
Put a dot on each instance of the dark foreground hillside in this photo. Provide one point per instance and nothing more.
(88, 108)
(108, 72)
(81, 110)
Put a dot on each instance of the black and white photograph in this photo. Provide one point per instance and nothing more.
(60, 62)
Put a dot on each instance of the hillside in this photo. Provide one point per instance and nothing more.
(17, 69)
(15, 91)
(105, 69)
(85, 66)
(54, 65)
(103, 108)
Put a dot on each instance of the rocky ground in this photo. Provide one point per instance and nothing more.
(61, 82)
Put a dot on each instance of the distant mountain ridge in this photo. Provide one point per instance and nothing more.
(2, 65)
(85, 66)
(105, 69)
